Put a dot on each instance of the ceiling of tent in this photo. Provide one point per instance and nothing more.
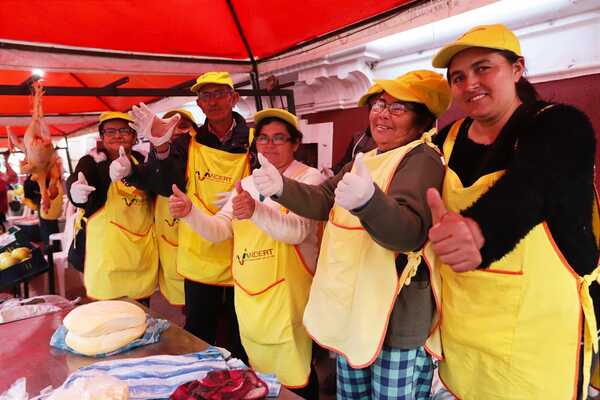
(231, 35)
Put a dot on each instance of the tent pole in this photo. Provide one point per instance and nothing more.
(68, 155)
(254, 75)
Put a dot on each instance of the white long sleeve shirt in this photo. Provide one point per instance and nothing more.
(289, 228)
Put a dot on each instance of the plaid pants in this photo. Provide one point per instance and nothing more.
(396, 374)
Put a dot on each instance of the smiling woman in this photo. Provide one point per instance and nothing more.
(377, 220)
(115, 247)
(514, 237)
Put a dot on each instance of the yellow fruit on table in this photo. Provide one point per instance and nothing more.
(7, 260)
(21, 253)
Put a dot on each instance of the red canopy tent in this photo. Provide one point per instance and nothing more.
(108, 55)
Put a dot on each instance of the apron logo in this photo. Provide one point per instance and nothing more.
(129, 202)
(249, 256)
(211, 176)
(171, 222)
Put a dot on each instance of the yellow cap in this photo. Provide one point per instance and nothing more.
(183, 112)
(422, 86)
(497, 37)
(218, 78)
(108, 115)
(277, 113)
(373, 90)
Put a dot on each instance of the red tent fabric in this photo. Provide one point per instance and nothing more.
(231, 34)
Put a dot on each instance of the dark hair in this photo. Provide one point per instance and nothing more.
(424, 118)
(525, 90)
(295, 134)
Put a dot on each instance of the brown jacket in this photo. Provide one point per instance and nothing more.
(398, 221)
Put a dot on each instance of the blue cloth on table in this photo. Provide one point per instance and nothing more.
(156, 377)
(151, 335)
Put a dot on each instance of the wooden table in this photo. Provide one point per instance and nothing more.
(25, 352)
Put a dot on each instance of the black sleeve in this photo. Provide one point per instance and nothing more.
(552, 165)
(162, 174)
(96, 175)
(31, 190)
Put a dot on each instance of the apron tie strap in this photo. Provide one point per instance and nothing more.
(590, 333)
(410, 269)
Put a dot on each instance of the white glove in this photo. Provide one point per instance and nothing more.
(356, 188)
(120, 167)
(221, 199)
(267, 179)
(158, 131)
(80, 190)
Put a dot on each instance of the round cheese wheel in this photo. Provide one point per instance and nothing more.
(92, 345)
(103, 317)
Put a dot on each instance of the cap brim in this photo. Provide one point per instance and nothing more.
(364, 99)
(397, 91)
(443, 57)
(281, 114)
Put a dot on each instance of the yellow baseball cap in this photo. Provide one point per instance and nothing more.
(496, 36)
(108, 115)
(219, 78)
(277, 113)
(373, 90)
(183, 112)
(421, 86)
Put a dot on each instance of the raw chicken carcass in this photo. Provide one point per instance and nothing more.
(41, 160)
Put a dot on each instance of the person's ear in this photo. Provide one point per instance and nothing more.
(518, 68)
(235, 97)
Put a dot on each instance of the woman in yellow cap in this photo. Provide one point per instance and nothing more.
(274, 257)
(362, 303)
(121, 257)
(514, 234)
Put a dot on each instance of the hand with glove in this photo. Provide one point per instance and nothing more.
(120, 167)
(455, 239)
(267, 179)
(80, 190)
(356, 188)
(180, 204)
(158, 131)
(243, 204)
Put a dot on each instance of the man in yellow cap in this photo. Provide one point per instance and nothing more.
(115, 248)
(205, 165)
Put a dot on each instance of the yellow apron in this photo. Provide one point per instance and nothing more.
(356, 283)
(272, 283)
(166, 228)
(55, 210)
(121, 256)
(209, 171)
(512, 330)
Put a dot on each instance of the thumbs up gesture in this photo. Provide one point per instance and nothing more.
(455, 239)
(356, 188)
(120, 167)
(243, 204)
(157, 130)
(267, 179)
(180, 204)
(80, 190)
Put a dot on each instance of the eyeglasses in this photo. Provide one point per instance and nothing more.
(276, 139)
(215, 94)
(114, 131)
(393, 108)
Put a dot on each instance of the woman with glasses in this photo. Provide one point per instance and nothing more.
(371, 301)
(274, 257)
(117, 239)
